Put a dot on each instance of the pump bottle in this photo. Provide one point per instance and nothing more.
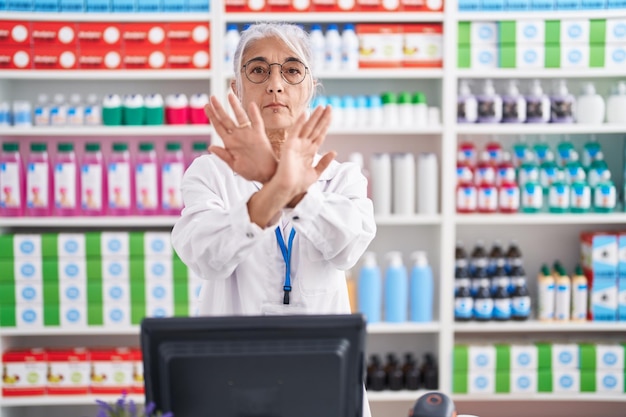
(489, 104)
(616, 105)
(590, 107)
(562, 105)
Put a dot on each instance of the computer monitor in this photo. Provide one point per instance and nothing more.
(255, 366)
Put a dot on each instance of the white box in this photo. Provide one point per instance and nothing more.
(115, 268)
(574, 56)
(116, 314)
(116, 291)
(72, 269)
(162, 309)
(523, 357)
(610, 381)
(27, 292)
(565, 356)
(615, 56)
(71, 244)
(158, 268)
(73, 314)
(482, 33)
(523, 381)
(29, 315)
(481, 382)
(530, 56)
(27, 245)
(530, 31)
(565, 380)
(484, 57)
(72, 292)
(157, 243)
(114, 243)
(615, 30)
(610, 357)
(575, 31)
(160, 291)
(27, 270)
(481, 358)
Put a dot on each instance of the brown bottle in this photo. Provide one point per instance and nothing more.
(376, 377)
(412, 375)
(430, 372)
(395, 376)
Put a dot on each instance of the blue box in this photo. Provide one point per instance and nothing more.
(518, 5)
(46, 5)
(123, 6)
(567, 4)
(20, 5)
(621, 276)
(71, 5)
(492, 5)
(149, 5)
(199, 5)
(175, 6)
(616, 4)
(3, 5)
(469, 5)
(592, 4)
(542, 4)
(98, 6)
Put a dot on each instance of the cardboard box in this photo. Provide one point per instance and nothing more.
(98, 6)
(54, 34)
(621, 283)
(138, 379)
(189, 58)
(377, 6)
(574, 56)
(15, 58)
(575, 31)
(98, 35)
(73, 315)
(116, 314)
(26, 292)
(247, 6)
(46, 5)
(143, 35)
(187, 34)
(57, 58)
(615, 56)
(100, 59)
(423, 45)
(421, 5)
(484, 33)
(524, 381)
(615, 30)
(143, 58)
(287, 6)
(68, 371)
(29, 315)
(24, 372)
(111, 370)
(381, 45)
(15, 33)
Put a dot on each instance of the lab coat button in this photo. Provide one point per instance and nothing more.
(296, 217)
(250, 235)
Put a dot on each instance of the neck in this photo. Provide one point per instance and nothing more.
(277, 138)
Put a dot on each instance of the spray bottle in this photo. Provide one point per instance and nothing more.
(396, 289)
(369, 293)
(421, 289)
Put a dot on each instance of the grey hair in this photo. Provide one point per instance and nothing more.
(296, 39)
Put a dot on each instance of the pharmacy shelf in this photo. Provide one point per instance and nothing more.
(483, 16)
(402, 395)
(539, 327)
(527, 73)
(591, 397)
(538, 128)
(540, 218)
(396, 328)
(398, 220)
(72, 222)
(162, 130)
(64, 400)
(312, 17)
(97, 75)
(377, 74)
(108, 17)
(396, 131)
(60, 331)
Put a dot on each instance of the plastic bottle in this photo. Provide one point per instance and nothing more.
(509, 197)
(580, 196)
(66, 181)
(590, 107)
(375, 106)
(197, 103)
(318, 47)
(380, 166)
(466, 192)
(497, 257)
(565, 152)
(197, 150)
(562, 104)
(147, 181)
(112, 110)
(403, 176)
(513, 105)
(93, 111)
(391, 116)
(590, 152)
(75, 111)
(412, 374)
(477, 275)
(58, 111)
(505, 171)
(427, 189)
(597, 169)
(92, 181)
(370, 289)
(38, 181)
(574, 170)
(5, 114)
(463, 301)
(231, 39)
(396, 289)
(176, 109)
(172, 170)
(485, 172)
(133, 110)
(421, 292)
(376, 376)
(483, 303)
(430, 372)
(520, 298)
(467, 105)
(542, 150)
(395, 376)
(563, 285)
(558, 195)
(487, 198)
(362, 111)
(494, 151)
(605, 194)
(616, 105)
(548, 172)
(333, 48)
(528, 170)
(467, 152)
(546, 296)
(513, 257)
(12, 198)
(42, 111)
(22, 114)
(464, 169)
(420, 109)
(579, 300)
(405, 109)
(478, 257)
(460, 256)
(520, 151)
(349, 48)
(120, 184)
(349, 111)
(501, 298)
(154, 109)
(537, 104)
(489, 104)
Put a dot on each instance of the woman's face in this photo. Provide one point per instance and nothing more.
(279, 102)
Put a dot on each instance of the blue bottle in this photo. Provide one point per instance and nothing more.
(396, 290)
(370, 289)
(421, 289)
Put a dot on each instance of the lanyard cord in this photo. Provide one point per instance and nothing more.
(286, 250)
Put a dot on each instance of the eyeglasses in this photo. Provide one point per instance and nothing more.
(258, 71)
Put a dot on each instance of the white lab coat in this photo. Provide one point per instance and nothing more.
(242, 263)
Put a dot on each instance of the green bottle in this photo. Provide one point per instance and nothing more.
(564, 153)
(597, 170)
(531, 197)
(590, 151)
(580, 196)
(528, 169)
(558, 195)
(605, 194)
(548, 172)
(574, 170)
(520, 152)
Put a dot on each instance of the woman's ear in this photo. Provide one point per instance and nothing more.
(233, 86)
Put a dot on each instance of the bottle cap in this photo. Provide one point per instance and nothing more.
(369, 260)
(198, 100)
(38, 147)
(200, 146)
(512, 89)
(42, 98)
(348, 26)
(133, 100)
(111, 100)
(464, 89)
(92, 147)
(388, 98)
(120, 147)
(395, 259)
(535, 88)
(59, 98)
(589, 89)
(231, 26)
(374, 101)
(332, 26)
(153, 100)
(10, 147)
(176, 100)
(146, 146)
(172, 146)
(620, 88)
(92, 98)
(404, 98)
(561, 88)
(488, 88)
(419, 98)
(75, 98)
(419, 258)
(65, 147)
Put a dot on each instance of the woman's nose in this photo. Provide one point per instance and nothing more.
(275, 83)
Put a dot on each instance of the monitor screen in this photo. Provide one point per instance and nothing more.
(255, 366)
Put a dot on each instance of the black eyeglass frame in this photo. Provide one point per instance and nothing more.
(244, 67)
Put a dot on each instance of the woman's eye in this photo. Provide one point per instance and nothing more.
(259, 70)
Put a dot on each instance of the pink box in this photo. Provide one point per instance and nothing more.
(184, 34)
(15, 32)
(15, 57)
(189, 58)
(142, 35)
(245, 6)
(144, 58)
(100, 58)
(97, 34)
(54, 58)
(54, 34)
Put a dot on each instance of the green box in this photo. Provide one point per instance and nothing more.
(544, 380)
(587, 357)
(597, 55)
(503, 358)
(507, 32)
(7, 315)
(597, 31)
(460, 358)
(6, 247)
(459, 382)
(553, 56)
(553, 32)
(588, 380)
(544, 356)
(508, 56)
(463, 34)
(503, 382)
(464, 56)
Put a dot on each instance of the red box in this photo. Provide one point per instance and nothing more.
(423, 45)
(288, 6)
(54, 34)
(189, 58)
(24, 372)
(377, 6)
(100, 58)
(421, 5)
(333, 6)
(111, 370)
(54, 58)
(245, 6)
(14, 32)
(144, 58)
(68, 371)
(141, 35)
(181, 34)
(138, 380)
(16, 57)
(96, 34)
(381, 45)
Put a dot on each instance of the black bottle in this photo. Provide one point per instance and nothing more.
(501, 299)
(395, 377)
(483, 303)
(412, 374)
(496, 257)
(430, 372)
(376, 377)
(460, 256)
(478, 258)
(463, 301)
(477, 277)
(520, 298)
(513, 257)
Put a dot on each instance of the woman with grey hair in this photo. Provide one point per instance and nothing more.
(270, 224)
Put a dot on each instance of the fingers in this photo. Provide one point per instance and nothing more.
(240, 115)
(320, 129)
(324, 161)
(303, 126)
(223, 154)
(255, 117)
(220, 120)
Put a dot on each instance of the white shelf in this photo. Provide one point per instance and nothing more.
(373, 131)
(538, 129)
(541, 397)
(96, 75)
(396, 328)
(312, 17)
(64, 400)
(165, 130)
(59, 331)
(93, 221)
(378, 73)
(403, 395)
(468, 16)
(541, 73)
(108, 17)
(397, 220)
(539, 327)
(540, 218)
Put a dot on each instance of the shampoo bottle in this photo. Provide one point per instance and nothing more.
(590, 106)
(396, 289)
(513, 105)
(421, 289)
(38, 181)
(369, 293)
(562, 104)
(120, 184)
(11, 180)
(489, 104)
(616, 105)
(147, 180)
(537, 105)
(545, 282)
(579, 295)
(92, 181)
(467, 105)
(65, 181)
(563, 284)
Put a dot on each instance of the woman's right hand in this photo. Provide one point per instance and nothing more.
(247, 150)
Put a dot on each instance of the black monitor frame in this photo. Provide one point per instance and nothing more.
(255, 366)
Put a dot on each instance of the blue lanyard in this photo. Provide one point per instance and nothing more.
(287, 257)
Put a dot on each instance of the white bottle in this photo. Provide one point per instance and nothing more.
(590, 106)
(333, 48)
(349, 48)
(467, 106)
(489, 104)
(537, 104)
(318, 48)
(22, 113)
(75, 111)
(380, 170)
(349, 111)
(513, 105)
(403, 184)
(93, 111)
(58, 111)
(357, 158)
(427, 187)
(231, 40)
(5, 113)
(616, 105)
(42, 111)
(420, 109)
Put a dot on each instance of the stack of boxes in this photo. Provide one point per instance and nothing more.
(106, 6)
(537, 43)
(539, 368)
(603, 256)
(91, 279)
(332, 6)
